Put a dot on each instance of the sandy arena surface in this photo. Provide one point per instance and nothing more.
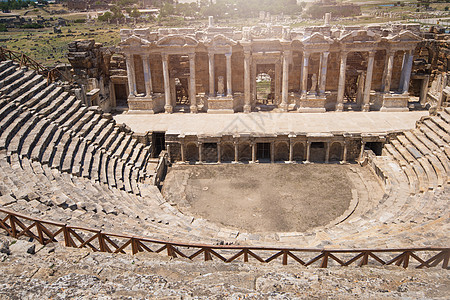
(261, 197)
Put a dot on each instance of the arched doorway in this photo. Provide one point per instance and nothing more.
(181, 92)
(191, 152)
(317, 152)
(227, 152)
(298, 152)
(209, 152)
(335, 152)
(282, 151)
(355, 79)
(265, 98)
(245, 152)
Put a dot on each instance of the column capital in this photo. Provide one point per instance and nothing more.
(247, 54)
(211, 54)
(145, 56)
(326, 53)
(390, 52)
(164, 56)
(372, 53)
(344, 53)
(228, 54)
(191, 55)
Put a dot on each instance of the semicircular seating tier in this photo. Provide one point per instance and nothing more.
(63, 161)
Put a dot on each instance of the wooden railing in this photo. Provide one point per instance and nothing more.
(17, 225)
(25, 61)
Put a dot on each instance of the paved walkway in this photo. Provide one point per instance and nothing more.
(272, 123)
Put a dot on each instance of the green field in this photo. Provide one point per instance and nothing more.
(50, 48)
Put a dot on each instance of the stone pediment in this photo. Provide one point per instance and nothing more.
(177, 41)
(360, 36)
(134, 41)
(220, 41)
(406, 36)
(317, 38)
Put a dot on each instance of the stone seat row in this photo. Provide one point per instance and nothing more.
(85, 168)
(422, 154)
(47, 127)
(417, 168)
(47, 124)
(43, 192)
(415, 203)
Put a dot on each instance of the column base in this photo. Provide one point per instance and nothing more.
(283, 107)
(247, 108)
(339, 107)
(193, 109)
(312, 104)
(149, 104)
(365, 107)
(395, 102)
(168, 109)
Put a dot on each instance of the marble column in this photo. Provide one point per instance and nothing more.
(388, 71)
(323, 73)
(424, 90)
(344, 155)
(183, 155)
(272, 152)
(168, 106)
(192, 91)
(361, 153)
(285, 85)
(247, 96)
(229, 78)
(368, 85)
(212, 76)
(131, 75)
(305, 73)
(253, 145)
(236, 152)
(200, 152)
(147, 76)
(291, 151)
(308, 151)
(327, 152)
(278, 83)
(407, 72)
(169, 153)
(402, 77)
(341, 84)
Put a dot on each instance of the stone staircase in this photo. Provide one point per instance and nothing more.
(63, 161)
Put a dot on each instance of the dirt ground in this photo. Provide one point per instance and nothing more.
(261, 197)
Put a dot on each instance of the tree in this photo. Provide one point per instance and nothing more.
(135, 13)
(106, 17)
(166, 10)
